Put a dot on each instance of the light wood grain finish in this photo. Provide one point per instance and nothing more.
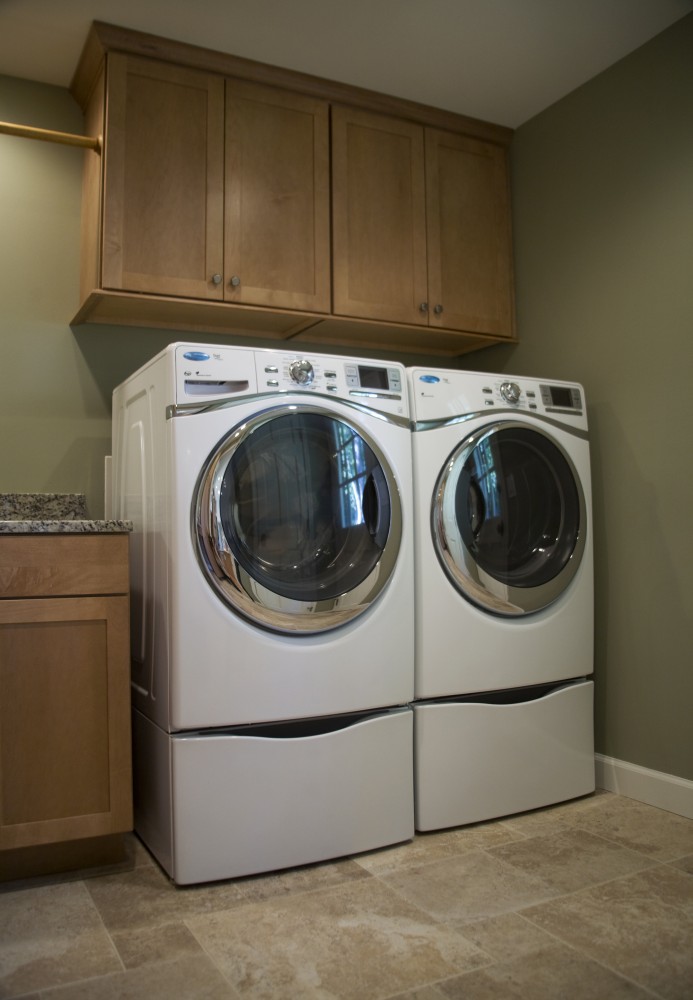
(247, 322)
(373, 335)
(92, 185)
(277, 197)
(215, 165)
(169, 313)
(65, 769)
(468, 235)
(163, 203)
(63, 565)
(379, 217)
(106, 38)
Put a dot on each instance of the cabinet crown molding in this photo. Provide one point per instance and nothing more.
(104, 38)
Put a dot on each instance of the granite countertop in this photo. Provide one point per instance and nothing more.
(51, 513)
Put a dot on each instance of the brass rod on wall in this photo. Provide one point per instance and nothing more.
(48, 135)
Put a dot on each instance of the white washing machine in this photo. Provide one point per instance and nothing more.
(272, 600)
(503, 710)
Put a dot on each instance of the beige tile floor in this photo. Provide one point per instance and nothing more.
(590, 899)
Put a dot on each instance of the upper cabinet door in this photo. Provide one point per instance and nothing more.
(277, 223)
(163, 185)
(469, 236)
(379, 217)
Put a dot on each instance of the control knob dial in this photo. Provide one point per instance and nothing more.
(302, 371)
(511, 392)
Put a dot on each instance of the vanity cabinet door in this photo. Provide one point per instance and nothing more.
(163, 179)
(65, 765)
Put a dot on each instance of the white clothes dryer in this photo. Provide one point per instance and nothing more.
(504, 594)
(272, 596)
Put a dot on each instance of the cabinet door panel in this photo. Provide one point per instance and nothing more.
(163, 205)
(277, 235)
(379, 217)
(469, 239)
(65, 768)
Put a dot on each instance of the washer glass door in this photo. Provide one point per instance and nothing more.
(297, 519)
(509, 518)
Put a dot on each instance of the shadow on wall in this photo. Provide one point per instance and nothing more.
(83, 463)
(114, 353)
(640, 612)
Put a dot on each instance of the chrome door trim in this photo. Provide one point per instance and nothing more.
(237, 588)
(192, 409)
(480, 587)
(421, 426)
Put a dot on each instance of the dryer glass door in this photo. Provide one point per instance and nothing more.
(509, 518)
(298, 520)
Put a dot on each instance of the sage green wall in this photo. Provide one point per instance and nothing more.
(55, 385)
(55, 382)
(44, 396)
(603, 196)
(603, 203)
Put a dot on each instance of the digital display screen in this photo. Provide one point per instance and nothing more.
(373, 378)
(561, 396)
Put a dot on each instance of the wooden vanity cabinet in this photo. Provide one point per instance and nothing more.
(421, 222)
(214, 190)
(65, 751)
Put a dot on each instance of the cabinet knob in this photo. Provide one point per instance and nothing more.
(424, 307)
(438, 309)
(235, 281)
(216, 279)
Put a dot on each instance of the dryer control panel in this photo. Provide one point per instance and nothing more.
(437, 394)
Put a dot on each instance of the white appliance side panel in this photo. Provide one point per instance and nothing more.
(151, 748)
(246, 804)
(141, 467)
(475, 761)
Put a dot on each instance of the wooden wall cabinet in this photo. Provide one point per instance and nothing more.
(163, 179)
(222, 204)
(421, 225)
(277, 198)
(65, 752)
(379, 217)
(212, 197)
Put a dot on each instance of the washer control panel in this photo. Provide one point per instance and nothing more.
(379, 385)
(210, 374)
(338, 376)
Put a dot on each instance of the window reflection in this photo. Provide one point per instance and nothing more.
(352, 473)
(305, 506)
(517, 507)
(486, 475)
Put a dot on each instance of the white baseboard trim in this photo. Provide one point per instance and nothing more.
(665, 791)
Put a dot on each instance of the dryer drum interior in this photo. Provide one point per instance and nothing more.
(509, 519)
(298, 519)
